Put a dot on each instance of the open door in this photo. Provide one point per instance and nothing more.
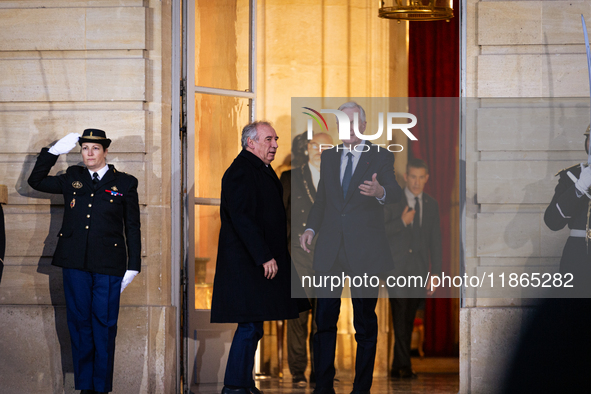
(219, 58)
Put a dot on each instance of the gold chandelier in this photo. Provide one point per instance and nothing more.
(417, 10)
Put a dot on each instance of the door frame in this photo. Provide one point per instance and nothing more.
(188, 320)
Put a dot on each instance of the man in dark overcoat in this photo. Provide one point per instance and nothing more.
(253, 269)
(414, 234)
(356, 180)
(99, 250)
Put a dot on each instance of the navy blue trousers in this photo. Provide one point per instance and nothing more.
(92, 303)
(365, 322)
(241, 358)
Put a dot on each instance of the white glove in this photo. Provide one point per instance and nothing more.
(127, 278)
(584, 181)
(65, 145)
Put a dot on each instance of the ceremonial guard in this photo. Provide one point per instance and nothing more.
(99, 249)
(571, 205)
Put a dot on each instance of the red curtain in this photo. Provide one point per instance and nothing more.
(434, 71)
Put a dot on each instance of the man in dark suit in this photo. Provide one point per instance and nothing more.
(356, 179)
(299, 186)
(253, 269)
(413, 230)
(99, 249)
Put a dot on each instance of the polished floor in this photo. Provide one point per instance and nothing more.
(435, 375)
(436, 383)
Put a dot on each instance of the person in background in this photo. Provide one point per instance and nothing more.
(414, 234)
(299, 185)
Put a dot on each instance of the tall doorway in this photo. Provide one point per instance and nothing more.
(219, 78)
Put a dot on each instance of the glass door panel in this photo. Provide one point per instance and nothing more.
(218, 125)
(222, 44)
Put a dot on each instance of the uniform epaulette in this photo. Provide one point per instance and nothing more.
(566, 169)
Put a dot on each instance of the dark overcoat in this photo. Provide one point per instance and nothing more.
(101, 227)
(354, 219)
(253, 231)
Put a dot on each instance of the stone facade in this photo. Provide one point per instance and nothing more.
(68, 65)
(519, 55)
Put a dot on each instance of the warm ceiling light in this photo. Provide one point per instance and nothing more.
(421, 10)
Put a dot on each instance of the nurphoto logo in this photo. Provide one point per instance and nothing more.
(344, 124)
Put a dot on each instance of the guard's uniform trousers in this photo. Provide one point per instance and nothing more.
(98, 241)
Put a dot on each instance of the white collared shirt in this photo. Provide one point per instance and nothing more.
(410, 200)
(315, 175)
(101, 172)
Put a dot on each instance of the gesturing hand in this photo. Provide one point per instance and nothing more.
(372, 188)
(408, 215)
(270, 269)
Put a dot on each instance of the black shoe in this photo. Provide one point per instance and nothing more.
(88, 392)
(323, 391)
(254, 390)
(299, 381)
(239, 390)
(360, 392)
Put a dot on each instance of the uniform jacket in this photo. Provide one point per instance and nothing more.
(253, 231)
(568, 208)
(298, 197)
(101, 226)
(355, 219)
(400, 238)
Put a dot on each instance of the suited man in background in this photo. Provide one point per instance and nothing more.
(299, 185)
(99, 250)
(253, 268)
(413, 230)
(356, 180)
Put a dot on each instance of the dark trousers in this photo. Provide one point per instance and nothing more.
(403, 317)
(92, 303)
(241, 358)
(297, 336)
(365, 322)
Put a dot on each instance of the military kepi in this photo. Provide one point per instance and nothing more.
(96, 136)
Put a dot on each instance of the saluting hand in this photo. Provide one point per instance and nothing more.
(372, 188)
(65, 144)
(270, 269)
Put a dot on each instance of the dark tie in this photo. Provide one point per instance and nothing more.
(348, 174)
(95, 178)
(416, 227)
